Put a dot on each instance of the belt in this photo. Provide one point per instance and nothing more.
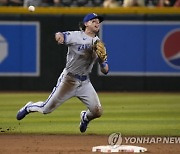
(80, 77)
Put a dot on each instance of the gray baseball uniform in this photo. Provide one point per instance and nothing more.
(74, 80)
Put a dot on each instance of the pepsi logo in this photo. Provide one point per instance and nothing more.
(171, 48)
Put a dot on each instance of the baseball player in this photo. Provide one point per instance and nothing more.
(84, 49)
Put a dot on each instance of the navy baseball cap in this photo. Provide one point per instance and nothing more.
(92, 16)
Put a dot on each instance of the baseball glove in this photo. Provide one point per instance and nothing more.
(100, 50)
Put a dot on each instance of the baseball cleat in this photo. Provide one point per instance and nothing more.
(84, 123)
(22, 112)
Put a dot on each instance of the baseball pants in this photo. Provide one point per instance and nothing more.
(69, 86)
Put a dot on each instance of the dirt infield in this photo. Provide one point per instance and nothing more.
(67, 144)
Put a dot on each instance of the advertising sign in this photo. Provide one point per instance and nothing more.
(142, 48)
(19, 48)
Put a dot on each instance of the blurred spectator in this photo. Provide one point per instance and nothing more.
(66, 2)
(91, 3)
(110, 3)
(50, 2)
(3, 2)
(11, 2)
(32, 2)
(175, 3)
(57, 2)
(129, 3)
(16, 2)
(150, 3)
(81, 2)
(97, 2)
(42, 3)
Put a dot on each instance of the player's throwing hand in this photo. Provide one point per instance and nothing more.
(59, 37)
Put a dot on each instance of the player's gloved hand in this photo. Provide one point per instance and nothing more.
(100, 50)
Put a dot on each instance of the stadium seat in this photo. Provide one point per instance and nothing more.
(66, 2)
(81, 2)
(97, 2)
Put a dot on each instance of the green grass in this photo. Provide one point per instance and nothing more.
(128, 113)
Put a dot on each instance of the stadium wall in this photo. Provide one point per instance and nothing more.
(137, 39)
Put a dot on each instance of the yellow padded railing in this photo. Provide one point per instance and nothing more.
(85, 10)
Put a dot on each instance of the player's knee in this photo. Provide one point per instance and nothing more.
(98, 112)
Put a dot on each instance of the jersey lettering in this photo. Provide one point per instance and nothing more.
(66, 33)
(83, 47)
